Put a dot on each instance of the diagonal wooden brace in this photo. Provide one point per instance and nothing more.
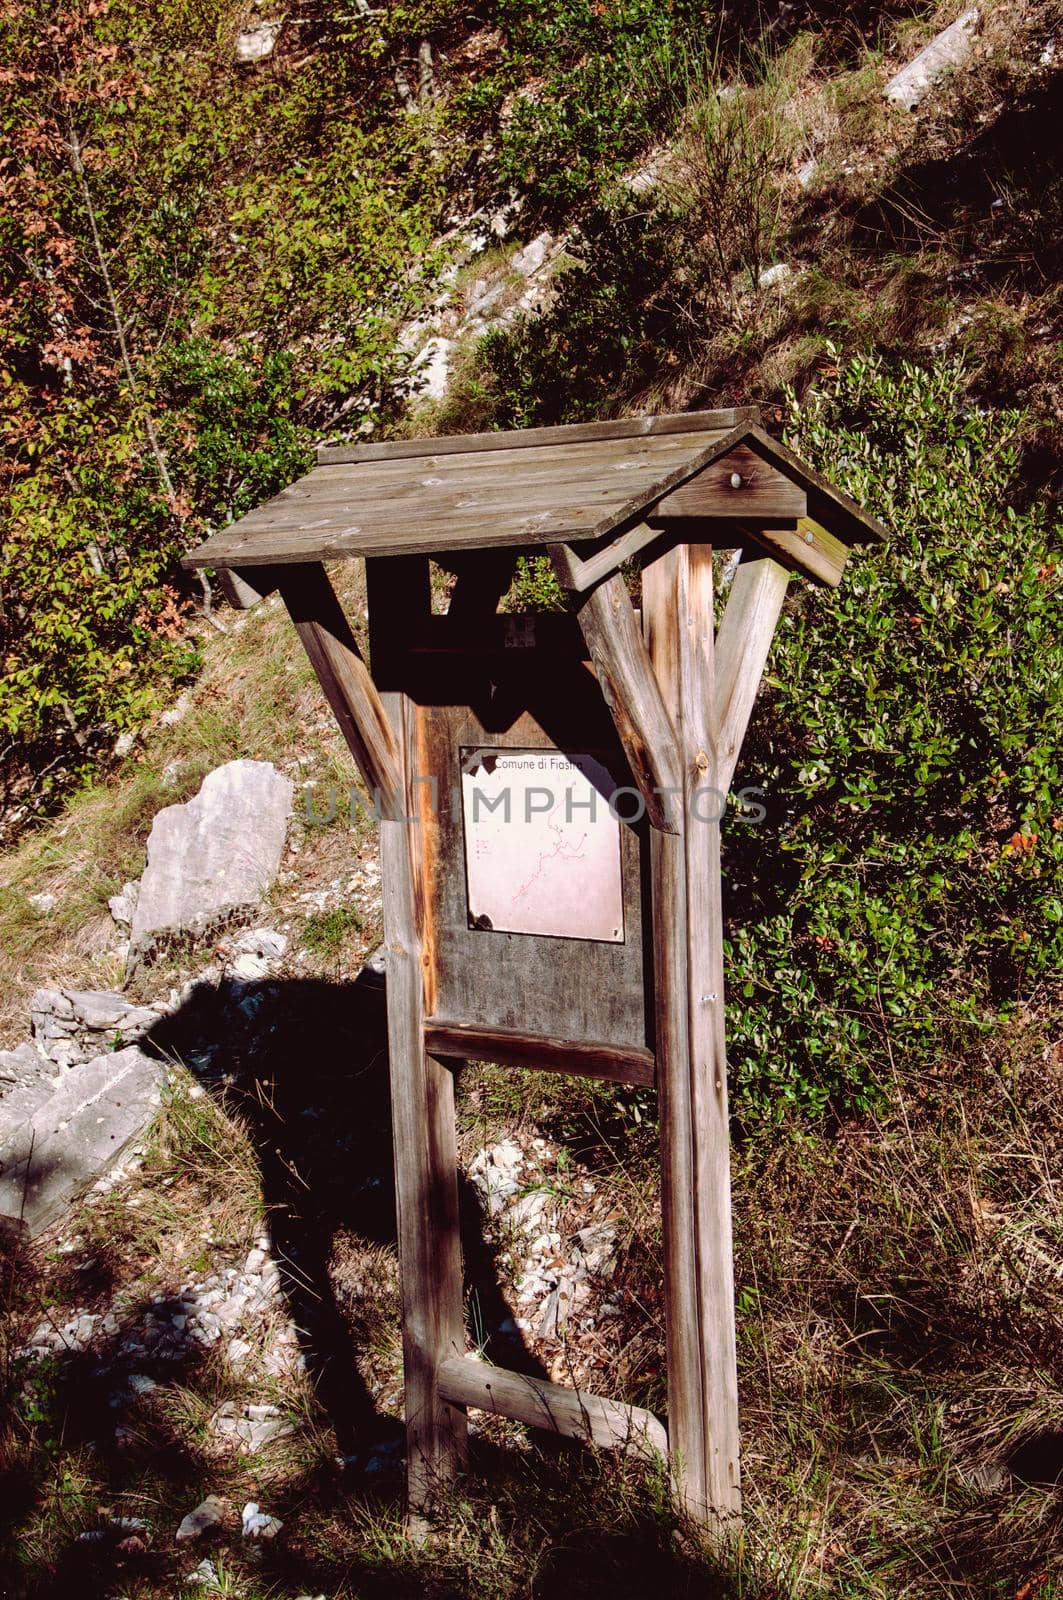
(632, 693)
(743, 640)
(344, 677)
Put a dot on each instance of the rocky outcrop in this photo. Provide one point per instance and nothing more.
(82, 1127)
(213, 857)
(72, 1025)
(950, 50)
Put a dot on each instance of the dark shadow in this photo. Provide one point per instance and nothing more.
(304, 1064)
(1039, 1458)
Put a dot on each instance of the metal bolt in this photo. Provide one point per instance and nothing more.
(810, 538)
(705, 999)
(736, 480)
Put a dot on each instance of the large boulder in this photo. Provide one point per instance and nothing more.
(213, 857)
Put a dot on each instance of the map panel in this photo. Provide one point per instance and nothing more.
(542, 848)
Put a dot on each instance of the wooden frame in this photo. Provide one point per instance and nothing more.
(668, 696)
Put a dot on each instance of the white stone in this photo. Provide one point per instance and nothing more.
(774, 277)
(205, 1574)
(43, 904)
(257, 1525)
(85, 1124)
(123, 905)
(431, 371)
(951, 50)
(257, 44)
(531, 258)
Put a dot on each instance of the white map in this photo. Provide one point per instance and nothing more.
(542, 849)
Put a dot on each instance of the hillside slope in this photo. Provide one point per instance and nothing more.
(282, 239)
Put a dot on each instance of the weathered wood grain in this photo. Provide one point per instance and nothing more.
(609, 1424)
(632, 694)
(740, 483)
(743, 640)
(578, 571)
(585, 510)
(686, 1400)
(508, 1047)
(422, 1095)
(519, 438)
(344, 677)
(827, 504)
(688, 950)
(556, 462)
(805, 548)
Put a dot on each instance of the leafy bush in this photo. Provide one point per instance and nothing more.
(909, 889)
(567, 136)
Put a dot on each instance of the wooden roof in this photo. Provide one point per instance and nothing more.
(533, 486)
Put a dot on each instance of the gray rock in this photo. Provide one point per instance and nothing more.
(123, 905)
(257, 44)
(950, 50)
(87, 1122)
(431, 371)
(177, 712)
(72, 1024)
(775, 277)
(206, 1574)
(42, 903)
(207, 1515)
(22, 1067)
(214, 856)
(531, 258)
(257, 953)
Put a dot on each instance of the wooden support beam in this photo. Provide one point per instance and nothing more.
(632, 693)
(577, 572)
(481, 580)
(508, 1048)
(422, 1094)
(743, 640)
(806, 548)
(245, 587)
(692, 1069)
(344, 677)
(607, 1423)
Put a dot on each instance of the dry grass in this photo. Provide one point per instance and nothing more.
(256, 698)
(900, 1335)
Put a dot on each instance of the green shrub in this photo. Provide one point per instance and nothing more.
(594, 103)
(905, 891)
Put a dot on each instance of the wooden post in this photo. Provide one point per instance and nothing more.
(422, 1088)
(691, 1063)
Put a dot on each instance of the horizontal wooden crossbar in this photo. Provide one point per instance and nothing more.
(510, 1048)
(609, 1424)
